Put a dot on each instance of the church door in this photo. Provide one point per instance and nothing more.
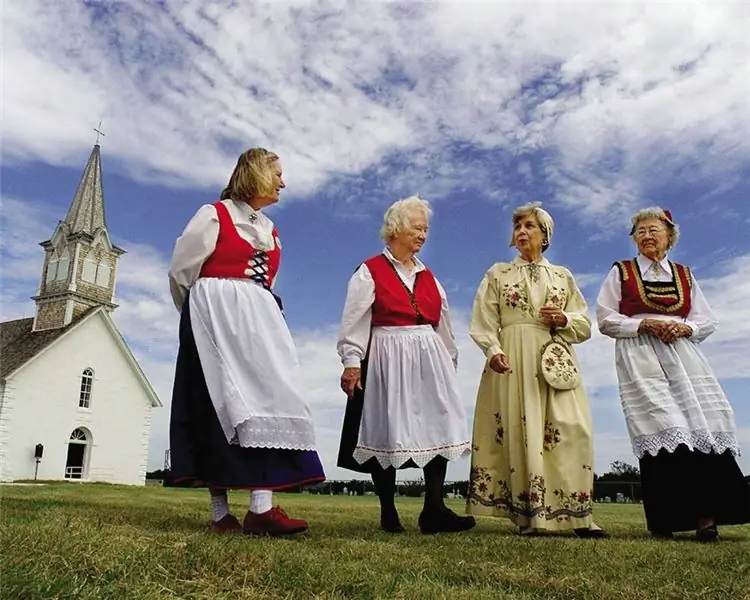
(75, 465)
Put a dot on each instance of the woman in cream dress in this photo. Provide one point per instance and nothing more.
(532, 458)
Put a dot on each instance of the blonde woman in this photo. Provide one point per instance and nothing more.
(681, 424)
(533, 451)
(398, 352)
(238, 419)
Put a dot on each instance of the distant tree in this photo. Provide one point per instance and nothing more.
(158, 474)
(623, 469)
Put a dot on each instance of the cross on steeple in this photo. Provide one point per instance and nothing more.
(98, 133)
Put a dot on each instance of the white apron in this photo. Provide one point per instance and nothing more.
(412, 408)
(250, 365)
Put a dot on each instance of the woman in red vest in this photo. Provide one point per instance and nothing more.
(238, 420)
(681, 425)
(399, 357)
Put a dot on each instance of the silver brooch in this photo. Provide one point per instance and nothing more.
(253, 217)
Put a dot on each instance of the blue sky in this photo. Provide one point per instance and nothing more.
(478, 107)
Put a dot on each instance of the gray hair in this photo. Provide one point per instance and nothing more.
(545, 221)
(655, 212)
(398, 216)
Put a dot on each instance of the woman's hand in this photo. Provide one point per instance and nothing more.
(673, 330)
(667, 331)
(551, 315)
(500, 363)
(351, 379)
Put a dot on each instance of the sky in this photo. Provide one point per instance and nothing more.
(594, 110)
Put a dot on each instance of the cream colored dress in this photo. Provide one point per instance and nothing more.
(532, 456)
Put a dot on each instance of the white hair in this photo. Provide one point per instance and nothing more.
(546, 223)
(399, 216)
(655, 212)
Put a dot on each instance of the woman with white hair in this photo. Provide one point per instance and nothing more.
(399, 357)
(681, 425)
(532, 451)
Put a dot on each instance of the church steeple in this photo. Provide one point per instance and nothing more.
(86, 212)
(80, 260)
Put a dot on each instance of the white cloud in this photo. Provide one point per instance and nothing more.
(612, 97)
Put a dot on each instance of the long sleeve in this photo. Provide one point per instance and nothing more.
(578, 327)
(445, 327)
(484, 328)
(608, 317)
(191, 250)
(701, 319)
(354, 330)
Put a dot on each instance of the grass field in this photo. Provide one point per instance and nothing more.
(100, 542)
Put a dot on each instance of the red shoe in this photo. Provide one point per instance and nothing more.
(227, 524)
(274, 522)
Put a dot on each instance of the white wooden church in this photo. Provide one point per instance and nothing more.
(74, 403)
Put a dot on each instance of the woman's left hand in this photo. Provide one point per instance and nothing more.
(673, 330)
(551, 315)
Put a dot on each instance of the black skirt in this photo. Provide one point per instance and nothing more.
(684, 486)
(350, 435)
(199, 452)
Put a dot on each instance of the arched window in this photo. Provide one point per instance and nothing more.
(78, 435)
(87, 382)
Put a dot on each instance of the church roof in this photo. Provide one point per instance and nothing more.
(86, 212)
(19, 344)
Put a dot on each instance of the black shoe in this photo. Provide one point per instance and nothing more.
(444, 520)
(587, 533)
(707, 534)
(389, 521)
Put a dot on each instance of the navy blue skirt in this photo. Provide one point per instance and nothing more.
(684, 486)
(199, 452)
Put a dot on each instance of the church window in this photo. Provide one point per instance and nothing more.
(62, 266)
(103, 274)
(87, 382)
(78, 435)
(96, 272)
(89, 268)
(51, 271)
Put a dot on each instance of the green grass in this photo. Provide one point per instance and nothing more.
(98, 542)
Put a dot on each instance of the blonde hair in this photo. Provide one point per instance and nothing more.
(398, 216)
(655, 212)
(546, 223)
(252, 176)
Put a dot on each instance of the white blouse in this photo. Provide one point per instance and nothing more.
(354, 331)
(198, 242)
(611, 322)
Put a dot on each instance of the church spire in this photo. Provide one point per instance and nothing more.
(86, 212)
(80, 260)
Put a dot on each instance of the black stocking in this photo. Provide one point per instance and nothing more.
(434, 479)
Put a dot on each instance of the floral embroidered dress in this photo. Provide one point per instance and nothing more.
(532, 450)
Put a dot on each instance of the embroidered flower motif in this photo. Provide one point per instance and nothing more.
(556, 296)
(551, 436)
(516, 297)
(573, 504)
(500, 432)
(558, 364)
(531, 501)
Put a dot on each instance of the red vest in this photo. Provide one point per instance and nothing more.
(656, 297)
(235, 258)
(394, 305)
